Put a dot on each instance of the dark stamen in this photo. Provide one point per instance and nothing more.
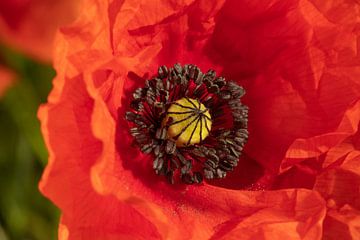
(223, 123)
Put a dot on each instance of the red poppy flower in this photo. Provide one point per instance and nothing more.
(297, 61)
(30, 25)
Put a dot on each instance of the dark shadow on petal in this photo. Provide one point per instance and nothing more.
(244, 176)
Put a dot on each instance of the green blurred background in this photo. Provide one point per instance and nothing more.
(24, 212)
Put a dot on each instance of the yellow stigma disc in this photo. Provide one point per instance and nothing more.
(190, 122)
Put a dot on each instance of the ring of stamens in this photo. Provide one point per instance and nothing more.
(193, 123)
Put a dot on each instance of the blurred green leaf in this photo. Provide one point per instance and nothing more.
(23, 100)
(22, 103)
(24, 212)
(2, 234)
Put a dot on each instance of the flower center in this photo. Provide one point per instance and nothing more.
(190, 122)
(193, 123)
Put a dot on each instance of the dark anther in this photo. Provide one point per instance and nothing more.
(160, 134)
(134, 131)
(139, 93)
(158, 151)
(214, 157)
(207, 82)
(234, 152)
(181, 158)
(158, 163)
(214, 89)
(198, 153)
(163, 72)
(174, 164)
(130, 116)
(225, 95)
(192, 71)
(178, 68)
(210, 164)
(209, 174)
(170, 146)
(146, 148)
(137, 105)
(141, 138)
(208, 102)
(237, 91)
(211, 74)
(170, 177)
(224, 165)
(198, 177)
(208, 111)
(187, 178)
(220, 81)
(198, 78)
(198, 91)
(220, 173)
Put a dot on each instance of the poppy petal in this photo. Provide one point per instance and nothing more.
(73, 149)
(342, 224)
(342, 181)
(31, 25)
(294, 64)
(312, 147)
